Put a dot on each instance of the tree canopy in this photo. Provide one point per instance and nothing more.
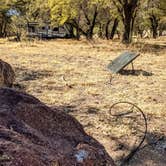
(104, 18)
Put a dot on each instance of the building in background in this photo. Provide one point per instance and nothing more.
(47, 31)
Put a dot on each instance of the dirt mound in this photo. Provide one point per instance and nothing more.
(7, 75)
(32, 134)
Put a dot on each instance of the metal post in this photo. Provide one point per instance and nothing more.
(133, 71)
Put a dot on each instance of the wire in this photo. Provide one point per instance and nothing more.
(127, 159)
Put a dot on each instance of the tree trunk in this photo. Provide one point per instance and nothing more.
(70, 29)
(100, 32)
(18, 37)
(107, 29)
(78, 33)
(128, 19)
(1, 35)
(160, 32)
(154, 26)
(132, 23)
(127, 28)
(2, 28)
(79, 30)
(92, 25)
(140, 32)
(119, 34)
(114, 28)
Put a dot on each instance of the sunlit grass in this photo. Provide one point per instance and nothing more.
(69, 72)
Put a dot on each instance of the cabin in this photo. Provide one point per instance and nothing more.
(47, 31)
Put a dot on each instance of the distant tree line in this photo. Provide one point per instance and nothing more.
(103, 18)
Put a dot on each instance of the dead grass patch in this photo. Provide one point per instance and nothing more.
(83, 65)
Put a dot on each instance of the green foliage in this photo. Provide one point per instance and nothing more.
(154, 13)
(63, 10)
(4, 18)
(84, 16)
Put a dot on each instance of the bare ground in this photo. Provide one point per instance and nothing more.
(73, 75)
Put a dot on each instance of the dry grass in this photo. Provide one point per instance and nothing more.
(73, 75)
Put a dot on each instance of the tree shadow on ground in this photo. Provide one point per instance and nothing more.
(65, 108)
(128, 72)
(151, 153)
(73, 108)
(150, 48)
(24, 75)
(29, 75)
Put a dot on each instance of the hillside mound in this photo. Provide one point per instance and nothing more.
(32, 134)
